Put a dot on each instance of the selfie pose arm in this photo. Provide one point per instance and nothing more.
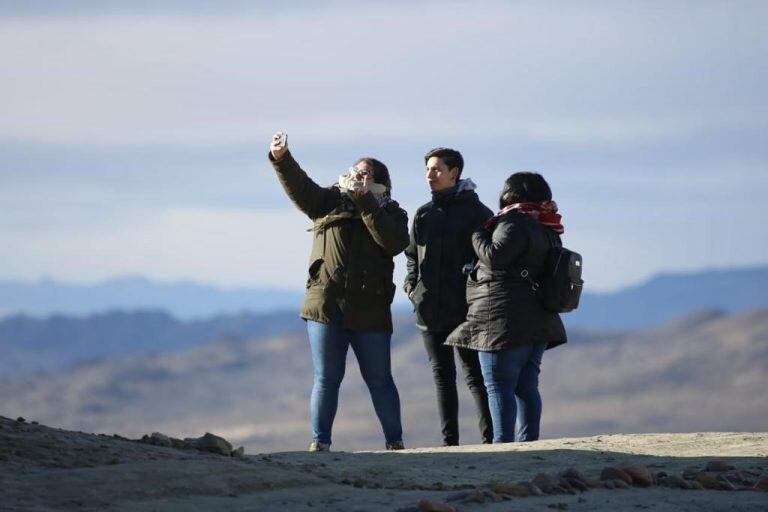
(312, 199)
(497, 250)
(388, 225)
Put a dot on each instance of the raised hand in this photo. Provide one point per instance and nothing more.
(276, 148)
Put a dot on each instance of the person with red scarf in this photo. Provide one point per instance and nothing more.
(505, 322)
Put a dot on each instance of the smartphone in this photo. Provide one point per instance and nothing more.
(283, 139)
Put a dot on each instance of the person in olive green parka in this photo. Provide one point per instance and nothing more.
(357, 231)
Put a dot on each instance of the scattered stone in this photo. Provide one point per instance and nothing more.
(608, 484)
(20, 420)
(718, 466)
(690, 473)
(564, 485)
(572, 473)
(460, 496)
(612, 473)
(495, 498)
(558, 506)
(434, 506)
(695, 486)
(511, 489)
(35, 423)
(477, 496)
(532, 488)
(209, 443)
(710, 482)
(675, 482)
(620, 484)
(639, 474)
(239, 453)
(546, 482)
(661, 474)
(762, 484)
(578, 484)
(159, 439)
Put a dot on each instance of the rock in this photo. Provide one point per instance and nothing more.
(592, 483)
(209, 443)
(710, 482)
(158, 439)
(690, 473)
(511, 489)
(578, 484)
(434, 506)
(609, 484)
(565, 485)
(20, 420)
(532, 488)
(239, 453)
(639, 474)
(762, 484)
(572, 473)
(477, 496)
(717, 466)
(620, 484)
(546, 482)
(460, 496)
(495, 498)
(661, 474)
(675, 482)
(611, 473)
(694, 485)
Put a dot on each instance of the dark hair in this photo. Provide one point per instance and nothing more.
(380, 171)
(450, 157)
(524, 187)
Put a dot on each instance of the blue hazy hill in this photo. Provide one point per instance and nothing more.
(668, 296)
(656, 301)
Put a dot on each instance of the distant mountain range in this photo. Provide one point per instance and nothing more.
(658, 300)
(669, 296)
(30, 345)
(185, 300)
(702, 373)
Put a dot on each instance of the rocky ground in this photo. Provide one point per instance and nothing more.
(42, 468)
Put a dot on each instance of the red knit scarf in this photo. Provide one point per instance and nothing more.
(545, 212)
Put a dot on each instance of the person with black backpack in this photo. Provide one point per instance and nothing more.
(508, 323)
(441, 245)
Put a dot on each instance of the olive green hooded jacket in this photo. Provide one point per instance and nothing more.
(354, 242)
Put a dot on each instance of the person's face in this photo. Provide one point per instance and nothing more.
(439, 176)
(361, 171)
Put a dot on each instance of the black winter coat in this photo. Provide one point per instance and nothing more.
(503, 311)
(441, 244)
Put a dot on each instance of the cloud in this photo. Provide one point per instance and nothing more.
(596, 74)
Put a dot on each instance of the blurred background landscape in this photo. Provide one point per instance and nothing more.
(151, 266)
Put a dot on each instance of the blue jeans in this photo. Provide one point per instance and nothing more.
(512, 380)
(329, 343)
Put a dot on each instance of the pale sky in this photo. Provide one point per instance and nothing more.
(133, 135)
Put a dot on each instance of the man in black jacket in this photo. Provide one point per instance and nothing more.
(440, 246)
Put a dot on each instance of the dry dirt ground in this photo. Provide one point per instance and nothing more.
(42, 469)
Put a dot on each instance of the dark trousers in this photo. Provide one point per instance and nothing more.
(444, 373)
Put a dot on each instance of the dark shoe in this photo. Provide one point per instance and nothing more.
(397, 445)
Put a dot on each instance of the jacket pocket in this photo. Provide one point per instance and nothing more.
(313, 275)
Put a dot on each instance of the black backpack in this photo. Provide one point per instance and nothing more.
(560, 284)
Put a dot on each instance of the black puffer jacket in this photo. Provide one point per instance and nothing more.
(503, 311)
(441, 244)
